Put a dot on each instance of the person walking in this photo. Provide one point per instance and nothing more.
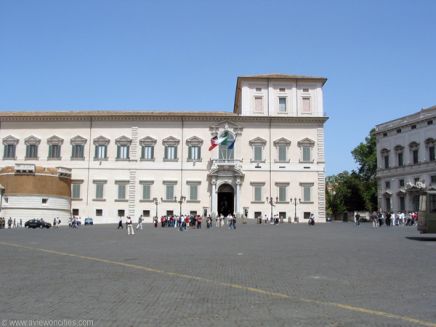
(54, 222)
(10, 223)
(120, 223)
(129, 224)
(155, 221)
(139, 226)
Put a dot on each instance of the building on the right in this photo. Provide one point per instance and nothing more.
(406, 163)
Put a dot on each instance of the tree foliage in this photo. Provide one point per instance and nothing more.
(356, 190)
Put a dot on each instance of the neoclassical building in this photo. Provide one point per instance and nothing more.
(270, 160)
(406, 162)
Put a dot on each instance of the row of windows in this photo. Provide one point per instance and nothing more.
(415, 180)
(170, 151)
(400, 130)
(414, 154)
(282, 102)
(169, 196)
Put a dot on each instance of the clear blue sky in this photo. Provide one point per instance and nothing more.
(379, 57)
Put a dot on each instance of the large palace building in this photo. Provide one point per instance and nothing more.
(406, 162)
(265, 158)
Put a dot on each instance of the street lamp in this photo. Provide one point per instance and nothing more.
(181, 200)
(156, 202)
(295, 205)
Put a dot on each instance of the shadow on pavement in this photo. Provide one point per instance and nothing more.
(421, 238)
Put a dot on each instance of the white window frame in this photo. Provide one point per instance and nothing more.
(304, 187)
(257, 186)
(280, 111)
(99, 184)
(146, 184)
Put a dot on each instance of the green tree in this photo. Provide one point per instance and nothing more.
(365, 155)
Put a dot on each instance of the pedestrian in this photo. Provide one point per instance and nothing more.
(139, 226)
(129, 224)
(9, 222)
(356, 218)
(54, 222)
(59, 221)
(21, 222)
(155, 221)
(120, 223)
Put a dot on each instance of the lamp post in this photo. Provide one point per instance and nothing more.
(156, 202)
(295, 206)
(181, 200)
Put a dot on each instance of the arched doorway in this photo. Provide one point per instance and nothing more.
(226, 196)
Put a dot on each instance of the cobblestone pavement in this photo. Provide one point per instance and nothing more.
(333, 274)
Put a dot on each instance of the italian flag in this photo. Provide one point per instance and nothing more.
(215, 141)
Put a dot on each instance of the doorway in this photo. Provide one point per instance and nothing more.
(226, 196)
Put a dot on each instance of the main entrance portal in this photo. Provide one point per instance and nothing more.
(226, 200)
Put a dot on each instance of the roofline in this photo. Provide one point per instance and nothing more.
(323, 80)
(159, 116)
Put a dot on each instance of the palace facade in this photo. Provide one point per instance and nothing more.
(270, 160)
(406, 162)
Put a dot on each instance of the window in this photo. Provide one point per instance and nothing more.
(121, 213)
(123, 147)
(9, 152)
(430, 122)
(401, 182)
(170, 143)
(101, 144)
(258, 89)
(78, 151)
(282, 152)
(400, 159)
(170, 152)
(194, 153)
(306, 214)
(413, 127)
(75, 212)
(257, 149)
(147, 148)
(282, 146)
(433, 179)
(385, 134)
(398, 130)
(431, 153)
(78, 148)
(101, 152)
(415, 156)
(44, 200)
(258, 104)
(75, 191)
(121, 191)
(32, 151)
(146, 213)
(386, 160)
(123, 152)
(306, 146)
(305, 90)
(193, 192)
(99, 212)
(282, 89)
(54, 151)
(307, 192)
(169, 192)
(99, 189)
(387, 185)
(147, 152)
(146, 190)
(258, 191)
(282, 193)
(258, 214)
(282, 104)
(306, 105)
(416, 180)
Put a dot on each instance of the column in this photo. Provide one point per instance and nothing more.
(238, 196)
(213, 204)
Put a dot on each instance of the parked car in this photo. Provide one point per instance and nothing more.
(89, 221)
(36, 223)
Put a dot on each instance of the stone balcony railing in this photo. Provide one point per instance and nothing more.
(226, 163)
(410, 168)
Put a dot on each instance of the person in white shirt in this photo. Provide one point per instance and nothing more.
(130, 230)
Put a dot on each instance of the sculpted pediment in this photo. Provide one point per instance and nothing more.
(226, 125)
(32, 140)
(55, 140)
(170, 140)
(194, 140)
(258, 141)
(148, 140)
(78, 140)
(123, 140)
(101, 140)
(10, 140)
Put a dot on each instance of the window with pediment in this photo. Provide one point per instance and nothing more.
(32, 144)
(414, 152)
(194, 148)
(282, 145)
(385, 157)
(430, 144)
(78, 148)
(123, 147)
(147, 148)
(399, 150)
(170, 144)
(54, 147)
(10, 146)
(306, 146)
(101, 144)
(257, 145)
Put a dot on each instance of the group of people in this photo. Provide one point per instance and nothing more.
(275, 220)
(129, 224)
(11, 223)
(381, 218)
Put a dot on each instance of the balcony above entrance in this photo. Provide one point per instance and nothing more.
(226, 164)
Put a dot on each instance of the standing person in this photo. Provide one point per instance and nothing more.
(356, 218)
(139, 226)
(120, 223)
(129, 224)
(15, 224)
(21, 222)
(54, 222)
(9, 222)
(155, 221)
